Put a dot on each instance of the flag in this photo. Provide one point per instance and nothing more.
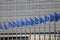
(27, 22)
(5, 26)
(52, 18)
(18, 23)
(22, 23)
(1, 26)
(36, 20)
(57, 17)
(41, 20)
(14, 24)
(31, 21)
(46, 18)
(9, 24)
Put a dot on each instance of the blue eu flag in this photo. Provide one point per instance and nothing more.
(57, 16)
(22, 23)
(13, 24)
(31, 21)
(46, 18)
(52, 18)
(5, 26)
(41, 20)
(18, 23)
(9, 24)
(27, 22)
(1, 26)
(36, 20)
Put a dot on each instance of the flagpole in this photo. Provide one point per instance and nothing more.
(25, 26)
(16, 19)
(49, 30)
(49, 23)
(39, 29)
(12, 32)
(16, 32)
(30, 32)
(3, 34)
(21, 33)
(34, 32)
(54, 27)
(39, 24)
(0, 34)
(8, 32)
(44, 29)
(25, 32)
(3, 27)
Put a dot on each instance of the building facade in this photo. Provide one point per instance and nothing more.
(16, 10)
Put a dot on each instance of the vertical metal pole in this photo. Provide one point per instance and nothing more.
(54, 28)
(49, 23)
(12, 32)
(16, 33)
(3, 35)
(44, 29)
(34, 33)
(16, 19)
(0, 31)
(49, 30)
(39, 29)
(3, 23)
(30, 32)
(8, 32)
(0, 34)
(39, 24)
(25, 33)
(20, 33)
(21, 29)
(25, 27)
(55, 25)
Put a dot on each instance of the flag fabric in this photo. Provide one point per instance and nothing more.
(18, 23)
(27, 22)
(22, 23)
(5, 26)
(1, 26)
(57, 16)
(31, 22)
(41, 20)
(46, 18)
(14, 24)
(9, 24)
(36, 20)
(52, 17)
